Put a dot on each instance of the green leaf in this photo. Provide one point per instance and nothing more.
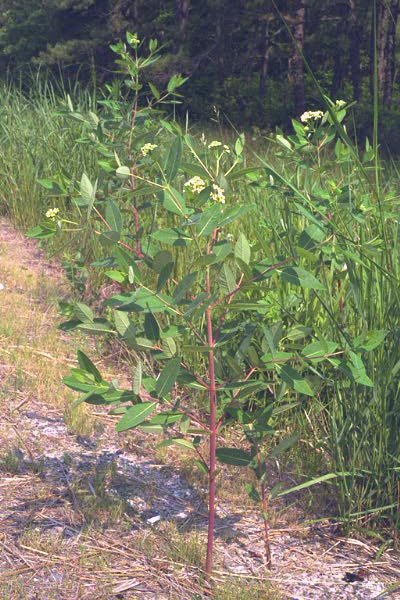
(311, 237)
(117, 276)
(113, 216)
(221, 251)
(232, 213)
(42, 232)
(86, 364)
(96, 326)
(135, 415)
(283, 141)
(166, 418)
(357, 370)
(137, 378)
(295, 380)
(151, 327)
(153, 88)
(165, 275)
(174, 201)
(194, 169)
(123, 171)
(253, 492)
(175, 82)
(226, 279)
(184, 285)
(143, 301)
(209, 220)
(122, 322)
(242, 249)
(234, 456)
(240, 173)
(239, 145)
(177, 442)
(318, 351)
(110, 237)
(174, 237)
(83, 312)
(88, 191)
(168, 377)
(284, 445)
(173, 159)
(168, 347)
(370, 340)
(312, 482)
(161, 259)
(275, 359)
(142, 343)
(301, 277)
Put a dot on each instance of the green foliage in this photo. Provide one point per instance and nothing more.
(249, 326)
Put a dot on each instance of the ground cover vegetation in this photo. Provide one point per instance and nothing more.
(254, 293)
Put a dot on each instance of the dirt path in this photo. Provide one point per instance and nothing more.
(87, 514)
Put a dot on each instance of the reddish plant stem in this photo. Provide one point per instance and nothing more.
(125, 245)
(212, 393)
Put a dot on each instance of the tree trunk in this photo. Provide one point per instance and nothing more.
(182, 13)
(388, 13)
(266, 49)
(390, 54)
(338, 71)
(296, 66)
(355, 39)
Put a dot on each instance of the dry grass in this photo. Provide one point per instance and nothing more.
(34, 355)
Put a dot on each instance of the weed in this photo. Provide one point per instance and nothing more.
(240, 589)
(10, 462)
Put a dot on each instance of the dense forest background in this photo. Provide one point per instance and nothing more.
(244, 58)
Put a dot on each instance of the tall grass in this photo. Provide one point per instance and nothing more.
(36, 141)
(356, 427)
(353, 428)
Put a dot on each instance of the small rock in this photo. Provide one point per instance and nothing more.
(153, 520)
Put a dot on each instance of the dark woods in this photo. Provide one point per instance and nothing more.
(244, 57)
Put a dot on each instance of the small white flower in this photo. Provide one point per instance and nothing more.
(144, 150)
(311, 115)
(218, 195)
(52, 213)
(214, 144)
(196, 184)
(227, 149)
(340, 103)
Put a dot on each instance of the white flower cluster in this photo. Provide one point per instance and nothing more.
(311, 115)
(218, 195)
(52, 213)
(144, 150)
(217, 144)
(340, 103)
(196, 184)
